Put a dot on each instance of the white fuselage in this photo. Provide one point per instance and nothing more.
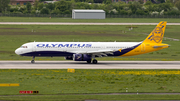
(70, 48)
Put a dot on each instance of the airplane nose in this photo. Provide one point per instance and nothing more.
(17, 51)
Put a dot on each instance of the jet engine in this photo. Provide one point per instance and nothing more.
(81, 57)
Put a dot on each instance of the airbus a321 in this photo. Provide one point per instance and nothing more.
(89, 51)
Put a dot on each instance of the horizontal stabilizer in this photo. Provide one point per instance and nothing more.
(161, 46)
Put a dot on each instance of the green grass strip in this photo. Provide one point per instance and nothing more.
(89, 97)
(85, 81)
(12, 37)
(107, 20)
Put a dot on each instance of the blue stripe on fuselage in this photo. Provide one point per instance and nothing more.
(124, 51)
(47, 53)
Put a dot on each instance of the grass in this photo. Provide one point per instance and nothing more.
(107, 20)
(63, 85)
(88, 97)
(12, 37)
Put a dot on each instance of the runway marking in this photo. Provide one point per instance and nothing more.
(61, 23)
(7, 84)
(70, 70)
(100, 94)
(84, 65)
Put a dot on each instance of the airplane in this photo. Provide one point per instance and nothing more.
(89, 51)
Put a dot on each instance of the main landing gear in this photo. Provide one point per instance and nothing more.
(32, 61)
(89, 61)
(94, 61)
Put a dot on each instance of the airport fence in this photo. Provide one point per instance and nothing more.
(142, 16)
(37, 15)
(70, 15)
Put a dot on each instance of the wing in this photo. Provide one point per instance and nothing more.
(99, 53)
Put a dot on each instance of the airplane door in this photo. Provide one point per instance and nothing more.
(143, 47)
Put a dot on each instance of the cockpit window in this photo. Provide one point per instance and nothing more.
(23, 47)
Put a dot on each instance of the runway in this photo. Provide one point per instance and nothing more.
(61, 23)
(84, 65)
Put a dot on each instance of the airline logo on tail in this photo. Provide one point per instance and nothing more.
(156, 36)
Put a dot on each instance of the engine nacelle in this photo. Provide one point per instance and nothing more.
(81, 57)
(68, 58)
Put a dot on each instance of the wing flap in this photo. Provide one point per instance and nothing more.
(99, 53)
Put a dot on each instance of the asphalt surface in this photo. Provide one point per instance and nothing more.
(84, 65)
(61, 23)
(101, 94)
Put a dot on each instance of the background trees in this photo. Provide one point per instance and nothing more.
(65, 7)
(177, 4)
(45, 11)
(28, 7)
(36, 4)
(4, 5)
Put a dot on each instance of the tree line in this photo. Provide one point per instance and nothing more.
(114, 8)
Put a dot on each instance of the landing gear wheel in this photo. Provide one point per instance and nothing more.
(32, 61)
(94, 61)
(89, 61)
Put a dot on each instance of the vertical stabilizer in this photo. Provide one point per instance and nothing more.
(156, 36)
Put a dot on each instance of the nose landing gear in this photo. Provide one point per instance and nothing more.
(32, 61)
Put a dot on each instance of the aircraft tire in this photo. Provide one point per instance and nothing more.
(89, 61)
(32, 61)
(94, 61)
